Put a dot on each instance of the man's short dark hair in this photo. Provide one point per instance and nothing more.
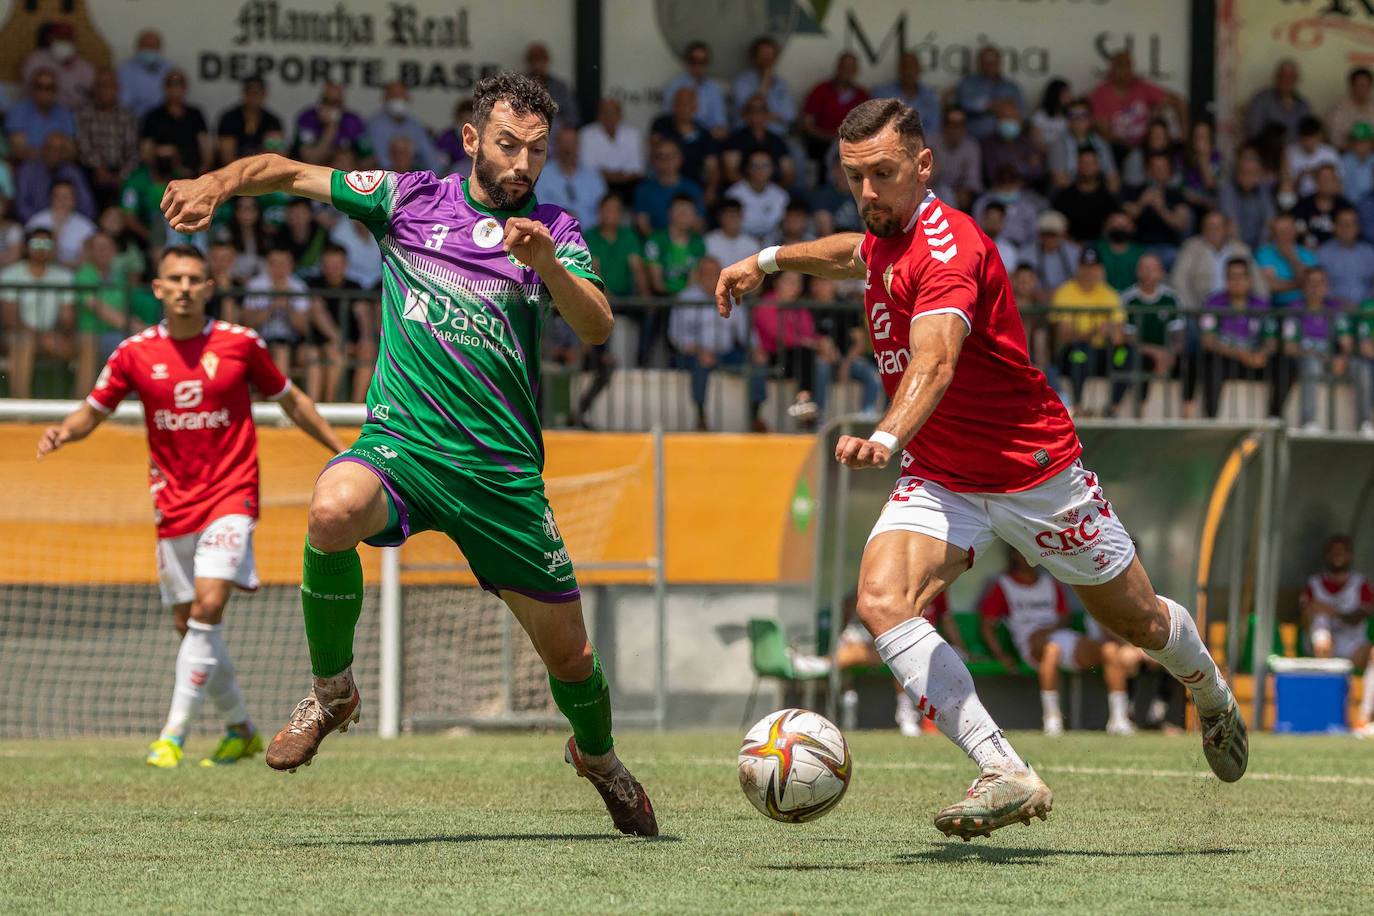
(995, 205)
(868, 118)
(1340, 539)
(1241, 262)
(1309, 126)
(332, 248)
(35, 233)
(180, 251)
(1359, 72)
(297, 201)
(730, 203)
(697, 45)
(681, 196)
(522, 93)
(760, 42)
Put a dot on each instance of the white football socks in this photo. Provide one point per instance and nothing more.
(195, 669)
(1049, 704)
(1118, 706)
(935, 678)
(223, 689)
(1185, 656)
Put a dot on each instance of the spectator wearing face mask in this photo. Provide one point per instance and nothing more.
(1020, 206)
(328, 126)
(75, 76)
(141, 76)
(1011, 144)
(394, 119)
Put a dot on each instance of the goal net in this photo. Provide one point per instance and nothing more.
(86, 647)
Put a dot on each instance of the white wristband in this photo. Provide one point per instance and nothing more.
(885, 439)
(768, 259)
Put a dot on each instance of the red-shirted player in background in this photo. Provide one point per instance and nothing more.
(989, 453)
(193, 376)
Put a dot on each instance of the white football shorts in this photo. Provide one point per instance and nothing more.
(1343, 639)
(1065, 524)
(223, 549)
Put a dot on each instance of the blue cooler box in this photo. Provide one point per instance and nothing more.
(1310, 694)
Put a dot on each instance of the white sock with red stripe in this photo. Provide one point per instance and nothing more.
(1185, 656)
(223, 689)
(936, 679)
(195, 668)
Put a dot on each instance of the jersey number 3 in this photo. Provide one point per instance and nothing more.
(436, 241)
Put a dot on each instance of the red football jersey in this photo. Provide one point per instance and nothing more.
(203, 451)
(999, 428)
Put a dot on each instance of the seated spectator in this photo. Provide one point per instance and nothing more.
(30, 120)
(1357, 107)
(106, 140)
(364, 258)
(1246, 200)
(569, 184)
(69, 227)
(1239, 339)
(400, 153)
(755, 135)
(219, 263)
(1203, 169)
(106, 317)
(992, 220)
(614, 149)
(1078, 136)
(795, 225)
(37, 322)
(141, 76)
(129, 258)
(37, 176)
(252, 240)
(1336, 605)
(1319, 339)
(1156, 328)
(729, 242)
(1123, 104)
(1050, 122)
(670, 256)
(1357, 162)
(788, 337)
(1315, 214)
(1035, 609)
(340, 325)
(977, 92)
(537, 68)
(1053, 257)
(1010, 144)
(845, 352)
(395, 119)
(615, 250)
(700, 156)
(833, 204)
(1030, 299)
(957, 175)
(1119, 251)
(1088, 327)
(1348, 260)
(762, 200)
(711, 108)
(1157, 140)
(278, 307)
(57, 54)
(11, 234)
(1021, 207)
(826, 106)
(1200, 269)
(303, 237)
(1308, 153)
(175, 123)
(450, 142)
(1161, 215)
(576, 355)
(328, 126)
(1283, 261)
(910, 91)
(141, 197)
(1086, 202)
(704, 341)
(242, 128)
(761, 78)
(1280, 104)
(654, 194)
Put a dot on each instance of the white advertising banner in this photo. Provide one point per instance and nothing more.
(1040, 40)
(439, 49)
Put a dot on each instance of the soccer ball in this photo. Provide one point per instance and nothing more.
(794, 765)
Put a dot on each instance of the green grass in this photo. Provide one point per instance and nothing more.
(498, 823)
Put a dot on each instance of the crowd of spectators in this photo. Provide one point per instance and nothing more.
(1138, 249)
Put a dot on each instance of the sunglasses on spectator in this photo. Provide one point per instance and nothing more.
(40, 245)
(44, 87)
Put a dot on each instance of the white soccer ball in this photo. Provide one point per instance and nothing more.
(794, 765)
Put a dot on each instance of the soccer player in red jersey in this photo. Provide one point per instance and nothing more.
(987, 451)
(193, 375)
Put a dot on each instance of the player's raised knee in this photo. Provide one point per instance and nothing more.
(881, 607)
(334, 519)
(571, 663)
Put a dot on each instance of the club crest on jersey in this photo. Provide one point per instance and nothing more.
(159, 372)
(364, 181)
(210, 363)
(487, 233)
(550, 526)
(381, 412)
(104, 378)
(887, 278)
(517, 262)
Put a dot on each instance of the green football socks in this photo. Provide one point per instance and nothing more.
(332, 597)
(587, 704)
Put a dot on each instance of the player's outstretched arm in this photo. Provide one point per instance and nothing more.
(935, 344)
(76, 425)
(189, 204)
(835, 256)
(582, 305)
(298, 407)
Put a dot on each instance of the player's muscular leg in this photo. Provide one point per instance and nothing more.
(348, 505)
(901, 573)
(180, 614)
(211, 597)
(557, 633)
(1128, 606)
(1049, 666)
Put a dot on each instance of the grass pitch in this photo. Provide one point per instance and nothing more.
(498, 823)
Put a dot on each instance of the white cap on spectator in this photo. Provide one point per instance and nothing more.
(1053, 221)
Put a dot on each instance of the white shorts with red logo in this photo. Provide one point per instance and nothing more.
(1064, 524)
(222, 549)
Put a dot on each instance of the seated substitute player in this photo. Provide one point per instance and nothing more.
(1036, 612)
(452, 442)
(990, 452)
(1336, 605)
(193, 375)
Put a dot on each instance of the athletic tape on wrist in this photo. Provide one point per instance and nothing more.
(885, 439)
(768, 259)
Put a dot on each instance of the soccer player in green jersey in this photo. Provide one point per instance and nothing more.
(452, 441)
